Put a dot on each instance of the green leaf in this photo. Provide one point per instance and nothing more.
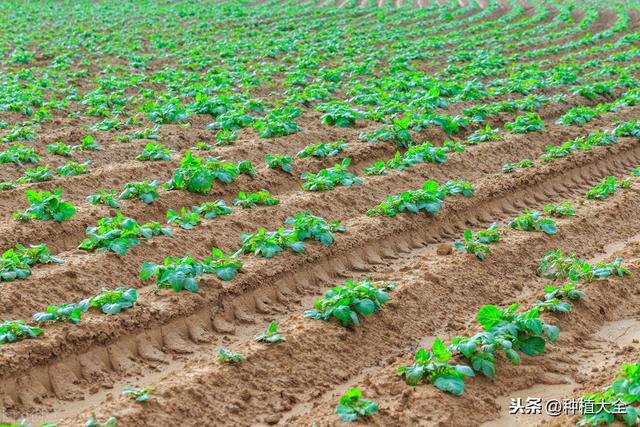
(531, 346)
(630, 416)
(366, 307)
(450, 383)
(147, 270)
(552, 332)
(488, 316)
(548, 226)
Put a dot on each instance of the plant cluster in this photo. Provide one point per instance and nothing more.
(347, 302)
(16, 263)
(197, 175)
(119, 233)
(607, 187)
(477, 243)
(328, 179)
(529, 122)
(46, 206)
(323, 150)
(251, 200)
(278, 161)
(428, 199)
(305, 226)
(531, 221)
(352, 406)
(143, 190)
(616, 401)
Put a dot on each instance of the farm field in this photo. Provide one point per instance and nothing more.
(389, 213)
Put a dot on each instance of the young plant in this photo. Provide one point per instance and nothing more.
(39, 174)
(104, 198)
(145, 191)
(73, 169)
(378, 168)
(16, 263)
(398, 132)
(579, 115)
(615, 402)
(202, 146)
(428, 199)
(560, 210)
(60, 313)
(19, 155)
(87, 144)
(154, 151)
(529, 122)
(422, 153)
(269, 243)
(138, 394)
(346, 302)
(94, 422)
(328, 179)
(448, 124)
(115, 234)
(568, 290)
(36, 254)
(484, 135)
(210, 210)
(197, 175)
(510, 167)
(352, 406)
(531, 221)
(46, 206)
(459, 186)
(339, 115)
(226, 137)
(507, 331)
(252, 200)
(472, 246)
(278, 122)
(111, 302)
(223, 266)
(322, 150)
(434, 367)
(308, 226)
(278, 161)
(607, 187)
(490, 235)
(15, 330)
(271, 336)
(185, 219)
(228, 357)
(153, 228)
(60, 149)
(176, 273)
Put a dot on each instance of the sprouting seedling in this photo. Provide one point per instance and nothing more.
(94, 422)
(472, 246)
(138, 394)
(352, 406)
(278, 161)
(271, 336)
(510, 167)
(531, 221)
(229, 357)
(562, 209)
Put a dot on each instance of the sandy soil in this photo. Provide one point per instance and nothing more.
(169, 341)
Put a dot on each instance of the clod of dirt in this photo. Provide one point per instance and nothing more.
(444, 249)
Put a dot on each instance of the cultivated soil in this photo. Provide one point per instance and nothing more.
(170, 340)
